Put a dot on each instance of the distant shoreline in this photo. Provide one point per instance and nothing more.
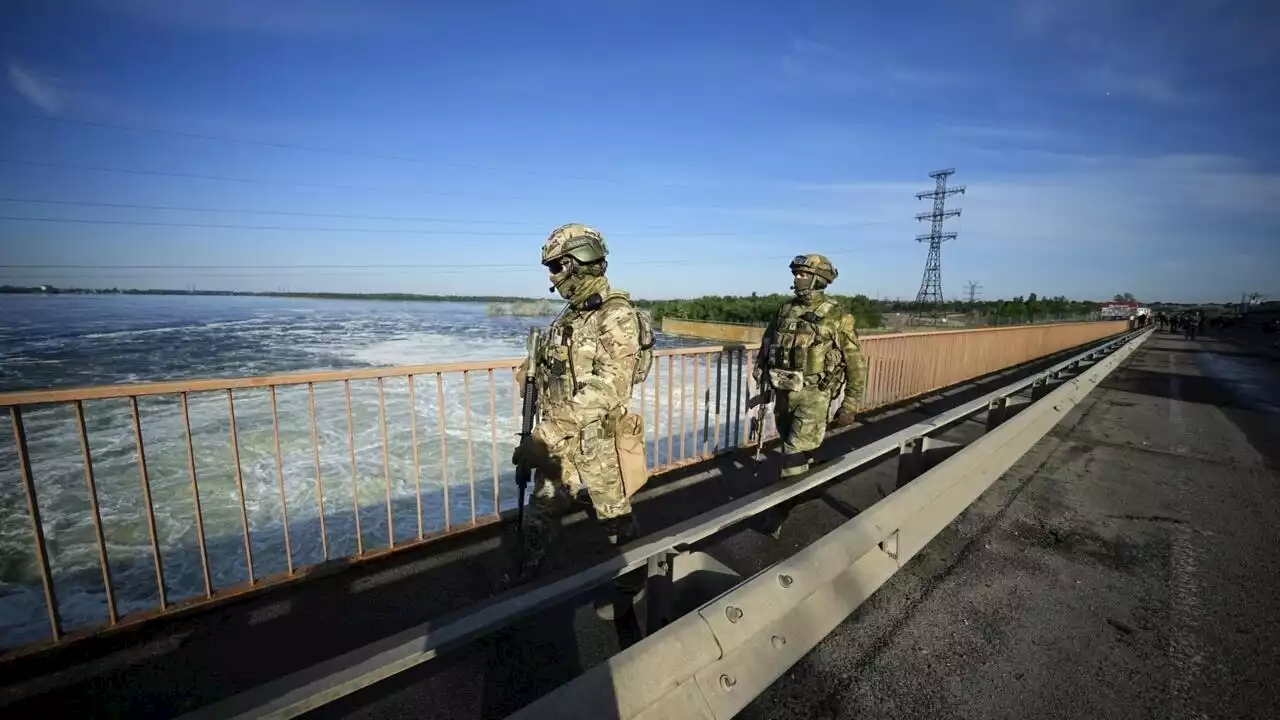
(14, 290)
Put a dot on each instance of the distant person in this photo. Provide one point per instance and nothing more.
(587, 363)
(811, 355)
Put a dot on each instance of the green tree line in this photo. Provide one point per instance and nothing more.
(759, 309)
(753, 309)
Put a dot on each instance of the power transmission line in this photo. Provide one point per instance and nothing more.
(290, 213)
(972, 287)
(380, 188)
(236, 226)
(299, 228)
(346, 216)
(394, 266)
(253, 181)
(337, 151)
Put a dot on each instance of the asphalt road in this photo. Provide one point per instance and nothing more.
(176, 665)
(1126, 567)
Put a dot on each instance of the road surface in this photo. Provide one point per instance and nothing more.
(1126, 567)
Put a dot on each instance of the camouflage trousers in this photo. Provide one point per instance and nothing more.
(591, 466)
(801, 417)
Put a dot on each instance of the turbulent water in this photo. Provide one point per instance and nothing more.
(68, 341)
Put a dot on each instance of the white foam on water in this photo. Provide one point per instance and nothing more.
(421, 348)
(171, 329)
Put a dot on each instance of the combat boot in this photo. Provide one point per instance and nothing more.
(770, 521)
(628, 589)
(526, 573)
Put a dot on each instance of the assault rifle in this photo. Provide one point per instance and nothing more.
(764, 396)
(528, 409)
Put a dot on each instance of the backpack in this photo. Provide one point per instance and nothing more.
(644, 357)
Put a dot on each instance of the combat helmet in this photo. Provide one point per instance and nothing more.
(573, 253)
(582, 243)
(817, 265)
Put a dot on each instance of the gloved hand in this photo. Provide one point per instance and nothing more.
(534, 451)
(757, 374)
(845, 417)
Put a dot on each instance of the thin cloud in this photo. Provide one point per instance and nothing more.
(38, 89)
(1159, 204)
(1097, 223)
(1160, 53)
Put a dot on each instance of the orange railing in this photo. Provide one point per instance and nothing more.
(140, 499)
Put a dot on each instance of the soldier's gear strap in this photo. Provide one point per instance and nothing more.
(644, 332)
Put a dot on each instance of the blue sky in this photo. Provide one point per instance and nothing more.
(1106, 145)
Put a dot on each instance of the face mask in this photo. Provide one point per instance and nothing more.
(803, 286)
(563, 277)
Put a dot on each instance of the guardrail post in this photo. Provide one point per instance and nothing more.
(917, 455)
(997, 412)
(679, 583)
(1039, 388)
(658, 600)
(910, 458)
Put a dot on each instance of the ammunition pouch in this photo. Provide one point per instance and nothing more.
(786, 380)
(628, 441)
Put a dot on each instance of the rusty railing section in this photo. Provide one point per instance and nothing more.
(900, 367)
(239, 470)
(195, 496)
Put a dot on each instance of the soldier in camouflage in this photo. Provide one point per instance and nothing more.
(585, 368)
(811, 355)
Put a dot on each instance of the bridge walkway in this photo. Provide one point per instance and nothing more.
(1126, 567)
(175, 665)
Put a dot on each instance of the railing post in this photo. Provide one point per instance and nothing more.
(997, 411)
(1039, 388)
(919, 454)
(37, 527)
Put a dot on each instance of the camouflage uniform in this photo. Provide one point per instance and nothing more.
(585, 367)
(811, 353)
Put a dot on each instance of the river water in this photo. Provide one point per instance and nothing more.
(49, 341)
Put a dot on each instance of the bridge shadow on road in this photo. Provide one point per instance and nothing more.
(173, 665)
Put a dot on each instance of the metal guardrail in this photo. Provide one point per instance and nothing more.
(711, 663)
(305, 690)
(192, 491)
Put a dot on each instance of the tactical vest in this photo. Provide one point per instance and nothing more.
(801, 343)
(556, 371)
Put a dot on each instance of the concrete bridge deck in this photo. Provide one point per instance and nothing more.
(1125, 568)
(177, 665)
